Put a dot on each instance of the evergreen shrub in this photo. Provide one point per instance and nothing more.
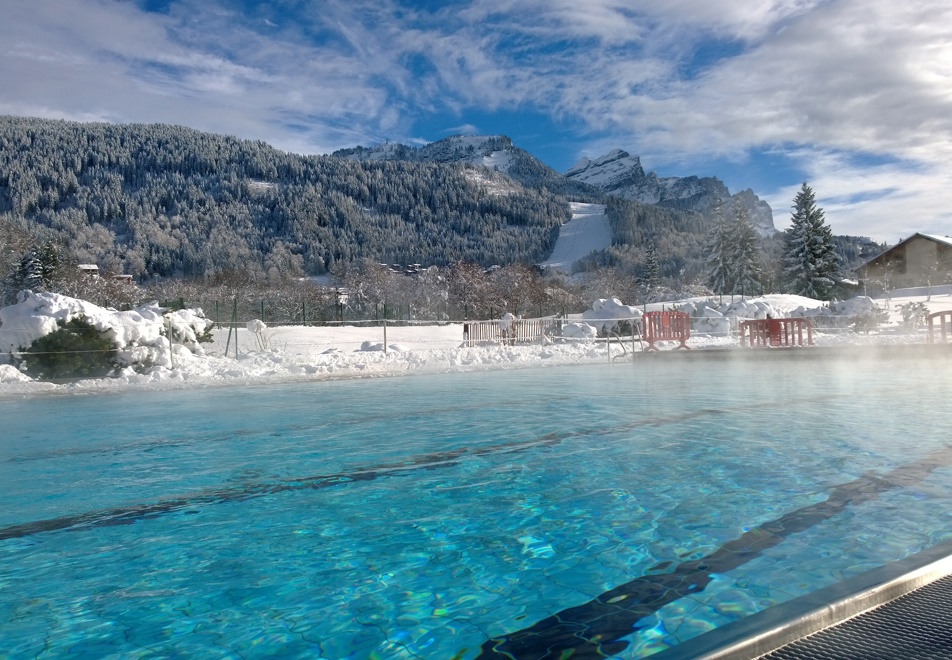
(869, 321)
(75, 350)
(913, 314)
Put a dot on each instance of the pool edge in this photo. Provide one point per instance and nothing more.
(770, 629)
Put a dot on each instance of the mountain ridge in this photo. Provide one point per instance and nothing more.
(494, 152)
(153, 200)
(622, 175)
(615, 173)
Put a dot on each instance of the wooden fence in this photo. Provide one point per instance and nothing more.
(509, 332)
(943, 320)
(776, 333)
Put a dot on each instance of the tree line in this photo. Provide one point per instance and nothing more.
(165, 201)
(177, 208)
(724, 254)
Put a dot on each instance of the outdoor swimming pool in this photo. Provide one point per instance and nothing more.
(603, 509)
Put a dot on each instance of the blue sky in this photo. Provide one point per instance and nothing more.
(853, 96)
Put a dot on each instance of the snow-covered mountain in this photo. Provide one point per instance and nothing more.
(493, 151)
(615, 173)
(496, 152)
(620, 174)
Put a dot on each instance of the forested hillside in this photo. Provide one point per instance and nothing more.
(158, 200)
(677, 237)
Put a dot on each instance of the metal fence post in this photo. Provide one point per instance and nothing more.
(171, 353)
(234, 322)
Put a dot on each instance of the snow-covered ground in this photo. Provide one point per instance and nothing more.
(588, 230)
(255, 353)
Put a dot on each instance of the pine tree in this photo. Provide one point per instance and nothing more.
(35, 271)
(744, 266)
(719, 276)
(811, 266)
(30, 271)
(49, 263)
(652, 273)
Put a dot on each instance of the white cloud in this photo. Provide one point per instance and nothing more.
(852, 78)
(196, 66)
(610, 21)
(463, 129)
(886, 201)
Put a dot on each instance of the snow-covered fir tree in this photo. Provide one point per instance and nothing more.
(652, 268)
(810, 264)
(718, 248)
(732, 251)
(30, 271)
(35, 271)
(49, 262)
(744, 263)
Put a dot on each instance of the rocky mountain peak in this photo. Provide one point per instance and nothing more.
(495, 152)
(621, 174)
(616, 169)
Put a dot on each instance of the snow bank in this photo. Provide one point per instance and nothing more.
(333, 352)
(579, 331)
(9, 374)
(840, 313)
(607, 312)
(138, 333)
(297, 353)
(711, 317)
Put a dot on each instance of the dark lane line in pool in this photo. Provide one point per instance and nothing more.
(149, 445)
(596, 629)
(129, 514)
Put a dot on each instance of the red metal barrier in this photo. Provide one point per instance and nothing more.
(666, 326)
(775, 333)
(945, 319)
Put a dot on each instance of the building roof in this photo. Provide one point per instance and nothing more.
(942, 240)
(945, 240)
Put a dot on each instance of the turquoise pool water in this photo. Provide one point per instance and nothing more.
(608, 510)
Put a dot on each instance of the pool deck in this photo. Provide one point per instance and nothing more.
(900, 610)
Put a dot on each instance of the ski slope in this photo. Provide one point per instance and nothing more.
(588, 230)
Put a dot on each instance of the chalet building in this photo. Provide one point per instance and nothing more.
(915, 261)
(92, 270)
